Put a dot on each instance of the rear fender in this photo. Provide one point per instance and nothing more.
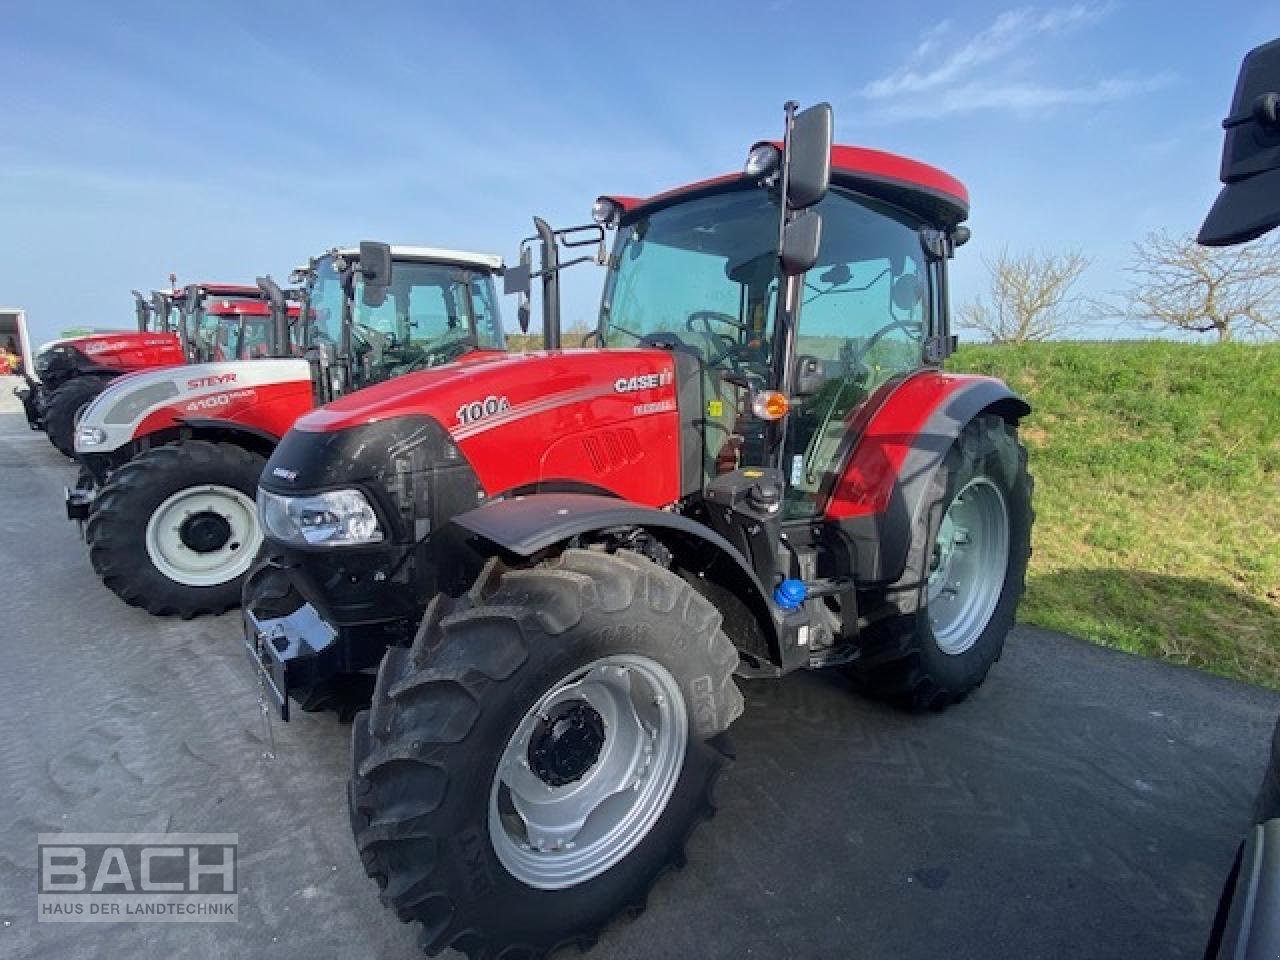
(880, 483)
(528, 525)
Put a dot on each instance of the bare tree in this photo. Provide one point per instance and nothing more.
(1031, 296)
(1220, 290)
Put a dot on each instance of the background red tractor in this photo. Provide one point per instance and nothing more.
(173, 456)
(66, 374)
(561, 561)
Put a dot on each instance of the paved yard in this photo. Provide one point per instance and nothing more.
(1082, 804)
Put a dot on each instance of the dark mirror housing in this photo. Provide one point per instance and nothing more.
(960, 236)
(375, 271)
(809, 170)
(811, 374)
(1249, 202)
(801, 239)
(517, 279)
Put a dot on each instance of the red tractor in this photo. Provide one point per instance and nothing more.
(560, 562)
(173, 456)
(66, 374)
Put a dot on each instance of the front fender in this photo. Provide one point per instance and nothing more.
(880, 483)
(527, 525)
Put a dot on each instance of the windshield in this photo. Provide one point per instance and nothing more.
(703, 274)
(215, 329)
(432, 314)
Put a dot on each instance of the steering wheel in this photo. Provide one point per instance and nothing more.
(707, 317)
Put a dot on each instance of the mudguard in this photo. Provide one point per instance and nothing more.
(526, 525)
(896, 444)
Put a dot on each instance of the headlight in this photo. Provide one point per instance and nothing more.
(90, 437)
(333, 519)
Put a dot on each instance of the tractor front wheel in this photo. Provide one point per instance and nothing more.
(175, 529)
(539, 756)
(66, 404)
(935, 633)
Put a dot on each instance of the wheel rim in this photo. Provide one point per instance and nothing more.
(203, 536)
(588, 772)
(967, 569)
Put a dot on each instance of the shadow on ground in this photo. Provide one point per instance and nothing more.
(1193, 621)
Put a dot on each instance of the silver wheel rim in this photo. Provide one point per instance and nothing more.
(192, 568)
(553, 837)
(969, 559)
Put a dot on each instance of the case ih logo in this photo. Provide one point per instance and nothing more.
(645, 381)
(213, 380)
(159, 877)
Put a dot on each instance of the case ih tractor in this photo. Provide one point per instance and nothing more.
(66, 374)
(173, 456)
(561, 561)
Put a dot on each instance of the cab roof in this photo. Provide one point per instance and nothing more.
(930, 193)
(484, 261)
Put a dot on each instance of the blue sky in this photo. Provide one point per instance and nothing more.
(226, 140)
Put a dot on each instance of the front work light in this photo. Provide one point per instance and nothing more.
(335, 518)
(606, 211)
(763, 161)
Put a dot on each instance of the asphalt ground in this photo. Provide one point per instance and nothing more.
(1082, 803)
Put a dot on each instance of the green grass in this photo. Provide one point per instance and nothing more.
(1157, 471)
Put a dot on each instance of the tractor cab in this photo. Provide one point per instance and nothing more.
(697, 271)
(379, 311)
(220, 322)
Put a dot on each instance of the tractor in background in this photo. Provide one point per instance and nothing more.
(172, 457)
(559, 562)
(66, 374)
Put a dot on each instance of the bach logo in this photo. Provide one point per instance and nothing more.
(159, 877)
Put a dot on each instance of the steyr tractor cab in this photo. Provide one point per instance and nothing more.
(66, 374)
(173, 456)
(560, 561)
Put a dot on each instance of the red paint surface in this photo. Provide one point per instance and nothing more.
(866, 485)
(845, 160)
(270, 407)
(563, 418)
(129, 351)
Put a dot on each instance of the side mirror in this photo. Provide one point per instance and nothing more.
(811, 374)
(375, 271)
(801, 239)
(519, 280)
(809, 171)
(1249, 203)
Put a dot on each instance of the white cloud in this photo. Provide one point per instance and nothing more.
(992, 69)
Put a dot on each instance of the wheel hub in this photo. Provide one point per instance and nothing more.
(205, 532)
(566, 743)
(967, 565)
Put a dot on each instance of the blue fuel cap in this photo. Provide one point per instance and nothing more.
(790, 594)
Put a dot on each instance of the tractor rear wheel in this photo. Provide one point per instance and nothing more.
(175, 529)
(936, 632)
(66, 404)
(540, 755)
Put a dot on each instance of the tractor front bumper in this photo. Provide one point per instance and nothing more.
(78, 501)
(292, 652)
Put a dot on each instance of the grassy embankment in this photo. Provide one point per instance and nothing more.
(1157, 472)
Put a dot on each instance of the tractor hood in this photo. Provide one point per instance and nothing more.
(605, 420)
(263, 395)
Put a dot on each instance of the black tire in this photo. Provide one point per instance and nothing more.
(424, 756)
(116, 531)
(62, 412)
(900, 660)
